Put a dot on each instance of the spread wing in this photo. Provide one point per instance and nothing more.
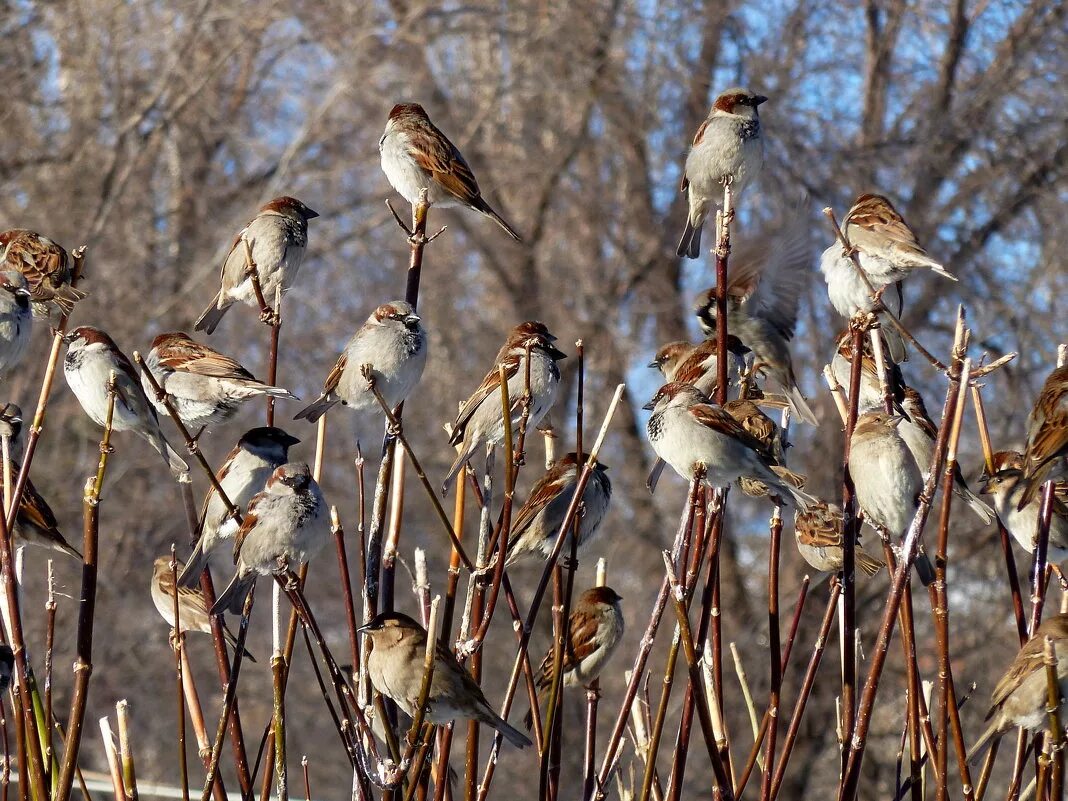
(187, 356)
(490, 384)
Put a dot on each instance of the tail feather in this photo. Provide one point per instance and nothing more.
(511, 733)
(175, 462)
(986, 739)
(462, 458)
(481, 205)
(690, 243)
(868, 563)
(976, 504)
(924, 569)
(314, 411)
(194, 566)
(800, 406)
(63, 297)
(233, 597)
(208, 321)
(655, 472)
(274, 392)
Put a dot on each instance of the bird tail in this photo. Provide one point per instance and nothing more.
(209, 320)
(868, 563)
(481, 205)
(783, 479)
(690, 243)
(654, 474)
(924, 569)
(175, 462)
(194, 566)
(462, 458)
(233, 597)
(986, 739)
(511, 733)
(60, 544)
(314, 411)
(232, 641)
(272, 391)
(64, 297)
(799, 406)
(976, 504)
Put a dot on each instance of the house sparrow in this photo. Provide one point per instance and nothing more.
(727, 146)
(686, 428)
(886, 479)
(395, 667)
(256, 456)
(819, 537)
(46, 267)
(594, 629)
(284, 526)
(480, 419)
(278, 237)
(871, 390)
(1020, 696)
(537, 523)
(1046, 458)
(920, 433)
(885, 244)
(16, 320)
(690, 364)
(192, 606)
(205, 386)
(7, 667)
(416, 156)
(1007, 486)
(764, 288)
(395, 344)
(763, 429)
(92, 356)
(11, 427)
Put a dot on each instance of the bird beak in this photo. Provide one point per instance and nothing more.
(555, 353)
(68, 338)
(309, 214)
(655, 365)
(650, 405)
(759, 99)
(22, 292)
(412, 318)
(289, 440)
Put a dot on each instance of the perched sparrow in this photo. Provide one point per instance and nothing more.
(885, 243)
(686, 429)
(481, 420)
(537, 523)
(886, 479)
(820, 539)
(594, 629)
(92, 356)
(1019, 699)
(244, 473)
(416, 156)
(284, 526)
(11, 427)
(16, 320)
(727, 146)
(690, 364)
(919, 433)
(7, 667)
(394, 343)
(395, 667)
(205, 386)
(1007, 486)
(278, 237)
(192, 607)
(46, 267)
(670, 356)
(764, 288)
(763, 429)
(1046, 458)
(871, 390)
(848, 293)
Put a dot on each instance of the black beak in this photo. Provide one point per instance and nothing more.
(309, 214)
(68, 338)
(654, 365)
(289, 440)
(759, 99)
(411, 319)
(555, 353)
(650, 405)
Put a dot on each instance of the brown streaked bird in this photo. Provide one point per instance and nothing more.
(1046, 457)
(820, 540)
(46, 267)
(1019, 698)
(886, 243)
(764, 430)
(1006, 486)
(594, 630)
(416, 155)
(395, 667)
(870, 396)
(192, 606)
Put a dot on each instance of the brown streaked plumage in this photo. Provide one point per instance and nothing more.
(820, 540)
(46, 267)
(1046, 457)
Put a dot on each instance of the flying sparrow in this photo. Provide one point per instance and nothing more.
(92, 357)
(205, 386)
(192, 606)
(394, 343)
(1007, 486)
(1019, 698)
(1046, 458)
(244, 473)
(46, 267)
(819, 535)
(16, 320)
(728, 146)
(686, 429)
(886, 479)
(395, 667)
(764, 288)
(416, 156)
(278, 237)
(537, 523)
(481, 420)
(283, 527)
(594, 629)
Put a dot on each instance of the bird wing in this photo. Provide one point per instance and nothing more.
(491, 383)
(248, 522)
(1047, 433)
(717, 419)
(1026, 662)
(684, 182)
(445, 163)
(823, 527)
(334, 378)
(580, 643)
(545, 490)
(875, 218)
(35, 511)
(188, 356)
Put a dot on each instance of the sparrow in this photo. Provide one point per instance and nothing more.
(11, 427)
(394, 343)
(278, 237)
(283, 527)
(870, 396)
(16, 320)
(594, 630)
(764, 288)
(885, 244)
(763, 429)
(395, 667)
(192, 606)
(205, 386)
(728, 146)
(92, 356)
(820, 539)
(686, 429)
(1007, 486)
(481, 419)
(920, 433)
(1020, 696)
(258, 453)
(7, 667)
(1046, 457)
(886, 479)
(538, 521)
(691, 364)
(416, 156)
(46, 267)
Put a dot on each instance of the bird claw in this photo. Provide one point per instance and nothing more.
(269, 317)
(466, 648)
(107, 450)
